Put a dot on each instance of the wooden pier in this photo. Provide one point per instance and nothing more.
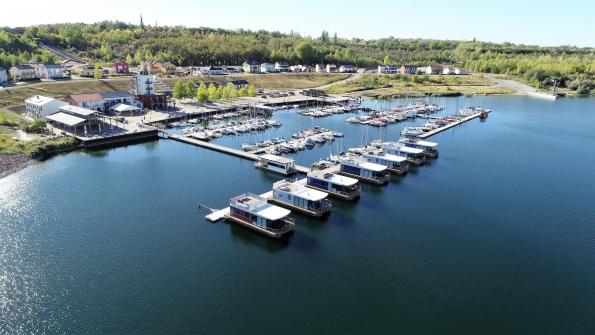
(450, 125)
(226, 150)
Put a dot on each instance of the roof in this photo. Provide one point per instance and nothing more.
(251, 62)
(77, 110)
(272, 212)
(239, 82)
(422, 143)
(124, 108)
(40, 100)
(388, 157)
(53, 66)
(80, 98)
(364, 165)
(346, 65)
(23, 67)
(66, 119)
(282, 63)
(300, 190)
(333, 178)
(115, 95)
(410, 150)
(278, 159)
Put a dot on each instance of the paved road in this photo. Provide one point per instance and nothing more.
(60, 52)
(352, 77)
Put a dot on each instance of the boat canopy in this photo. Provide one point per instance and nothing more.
(272, 212)
(333, 178)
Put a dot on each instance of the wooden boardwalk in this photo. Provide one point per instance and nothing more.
(450, 125)
(226, 150)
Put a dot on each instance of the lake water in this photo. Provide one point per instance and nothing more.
(495, 236)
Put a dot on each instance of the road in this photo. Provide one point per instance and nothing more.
(350, 78)
(60, 52)
(513, 85)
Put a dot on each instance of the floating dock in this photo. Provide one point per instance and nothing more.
(450, 125)
(226, 150)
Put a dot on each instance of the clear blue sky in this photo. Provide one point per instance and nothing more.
(544, 22)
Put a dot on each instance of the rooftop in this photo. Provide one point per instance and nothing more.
(66, 119)
(300, 190)
(333, 178)
(40, 100)
(388, 157)
(278, 159)
(77, 110)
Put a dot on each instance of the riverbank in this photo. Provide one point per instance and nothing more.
(10, 164)
(388, 86)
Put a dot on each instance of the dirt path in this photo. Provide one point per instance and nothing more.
(352, 77)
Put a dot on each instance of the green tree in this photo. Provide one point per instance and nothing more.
(179, 90)
(97, 73)
(233, 92)
(190, 90)
(202, 93)
(213, 93)
(252, 91)
(36, 126)
(243, 92)
(225, 95)
(387, 60)
(305, 52)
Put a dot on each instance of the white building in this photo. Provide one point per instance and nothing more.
(448, 70)
(212, 71)
(251, 67)
(282, 67)
(267, 68)
(320, 68)
(3, 75)
(144, 83)
(346, 68)
(330, 68)
(22, 72)
(460, 71)
(388, 69)
(40, 107)
(48, 71)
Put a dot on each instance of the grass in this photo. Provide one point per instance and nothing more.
(397, 85)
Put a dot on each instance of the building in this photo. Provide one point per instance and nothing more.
(143, 88)
(346, 68)
(23, 72)
(83, 70)
(239, 84)
(408, 69)
(267, 67)
(281, 67)
(120, 66)
(251, 66)
(102, 102)
(312, 92)
(40, 107)
(159, 68)
(433, 69)
(48, 71)
(320, 68)
(460, 71)
(213, 71)
(387, 69)
(74, 118)
(330, 68)
(69, 64)
(3, 75)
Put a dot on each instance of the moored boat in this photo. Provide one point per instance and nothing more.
(253, 211)
(335, 185)
(394, 164)
(300, 198)
(360, 169)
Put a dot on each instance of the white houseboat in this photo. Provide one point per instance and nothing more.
(336, 185)
(254, 212)
(429, 148)
(300, 198)
(274, 163)
(414, 156)
(360, 169)
(394, 164)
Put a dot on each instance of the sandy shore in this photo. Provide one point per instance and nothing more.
(12, 163)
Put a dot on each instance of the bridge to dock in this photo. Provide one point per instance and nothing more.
(450, 125)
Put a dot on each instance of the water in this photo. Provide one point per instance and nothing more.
(495, 236)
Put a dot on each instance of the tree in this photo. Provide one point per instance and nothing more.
(387, 60)
(243, 92)
(179, 90)
(233, 92)
(335, 38)
(324, 36)
(305, 52)
(225, 94)
(213, 93)
(36, 126)
(190, 89)
(142, 24)
(97, 73)
(252, 91)
(202, 93)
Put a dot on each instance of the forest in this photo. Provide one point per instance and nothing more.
(106, 41)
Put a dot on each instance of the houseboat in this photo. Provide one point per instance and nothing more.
(360, 169)
(300, 198)
(429, 148)
(414, 156)
(394, 164)
(253, 211)
(335, 185)
(274, 163)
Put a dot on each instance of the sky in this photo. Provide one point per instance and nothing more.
(544, 22)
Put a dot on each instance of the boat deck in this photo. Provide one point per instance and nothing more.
(450, 125)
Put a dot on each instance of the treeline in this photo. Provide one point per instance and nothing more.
(106, 41)
(186, 89)
(20, 48)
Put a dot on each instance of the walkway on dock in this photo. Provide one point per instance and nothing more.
(226, 150)
(450, 125)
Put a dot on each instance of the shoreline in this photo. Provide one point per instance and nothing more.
(10, 164)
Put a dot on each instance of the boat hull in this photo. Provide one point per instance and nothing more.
(261, 230)
(365, 179)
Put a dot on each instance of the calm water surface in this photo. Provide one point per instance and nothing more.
(495, 236)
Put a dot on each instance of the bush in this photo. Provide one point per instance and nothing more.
(36, 126)
(583, 89)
